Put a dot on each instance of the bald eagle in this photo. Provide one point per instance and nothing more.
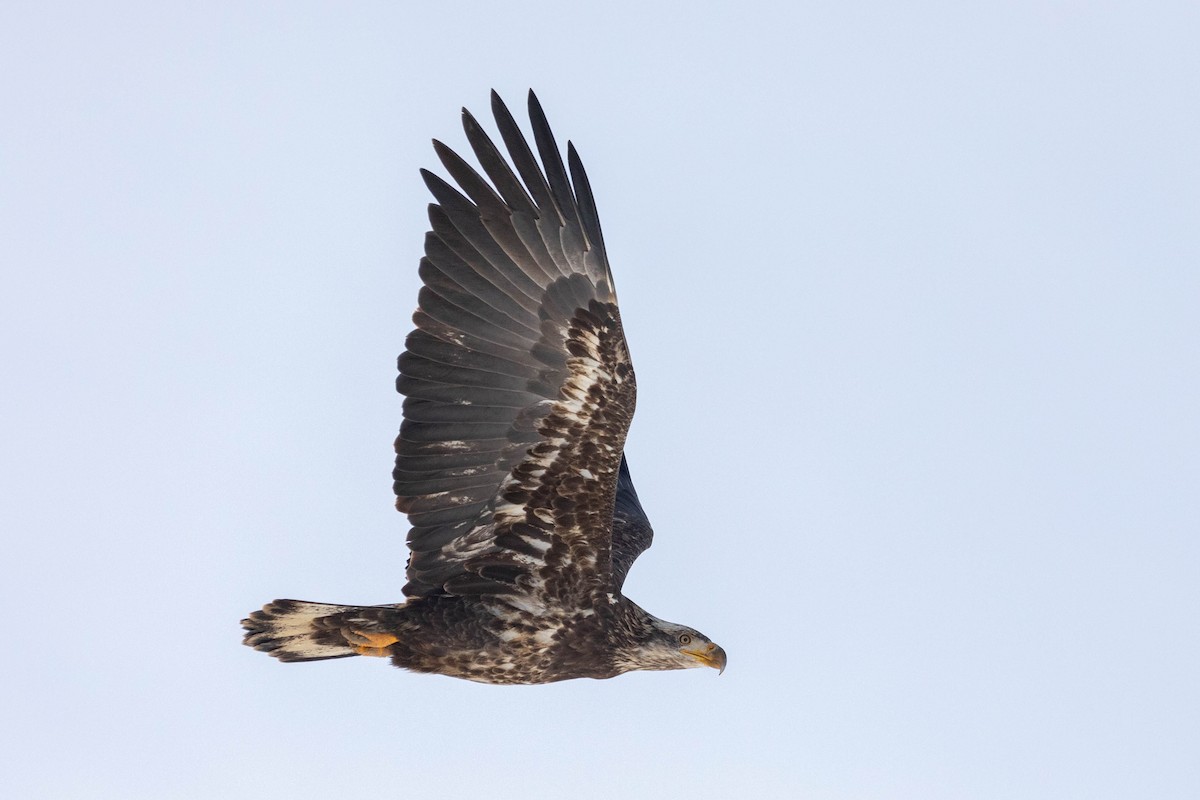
(510, 460)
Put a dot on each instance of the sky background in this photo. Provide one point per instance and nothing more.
(913, 292)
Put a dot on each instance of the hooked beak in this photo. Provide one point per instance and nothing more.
(710, 656)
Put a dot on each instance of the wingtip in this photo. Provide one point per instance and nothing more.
(444, 151)
(535, 106)
(469, 121)
(498, 102)
(434, 182)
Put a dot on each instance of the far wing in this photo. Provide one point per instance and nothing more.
(631, 534)
(520, 389)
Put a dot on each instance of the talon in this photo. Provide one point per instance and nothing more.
(362, 650)
(369, 644)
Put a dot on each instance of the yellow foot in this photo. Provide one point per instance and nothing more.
(370, 644)
(381, 652)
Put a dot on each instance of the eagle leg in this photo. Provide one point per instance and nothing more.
(369, 644)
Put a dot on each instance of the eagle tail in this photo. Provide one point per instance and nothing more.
(296, 630)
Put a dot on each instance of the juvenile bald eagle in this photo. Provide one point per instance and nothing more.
(510, 459)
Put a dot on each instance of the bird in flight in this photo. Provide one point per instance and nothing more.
(510, 461)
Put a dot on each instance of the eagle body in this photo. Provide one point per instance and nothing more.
(510, 461)
(483, 640)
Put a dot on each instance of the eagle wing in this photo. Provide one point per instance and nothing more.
(519, 385)
(631, 534)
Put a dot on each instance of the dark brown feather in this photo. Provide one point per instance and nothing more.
(520, 390)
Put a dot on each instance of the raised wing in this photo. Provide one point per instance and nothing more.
(520, 389)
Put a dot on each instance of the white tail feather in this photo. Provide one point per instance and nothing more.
(289, 631)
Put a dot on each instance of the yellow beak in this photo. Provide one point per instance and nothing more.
(710, 656)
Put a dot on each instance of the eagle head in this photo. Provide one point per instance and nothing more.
(666, 645)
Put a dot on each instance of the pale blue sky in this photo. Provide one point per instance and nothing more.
(912, 290)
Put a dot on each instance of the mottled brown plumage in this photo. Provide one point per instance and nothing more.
(509, 462)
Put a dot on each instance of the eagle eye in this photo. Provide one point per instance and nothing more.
(685, 638)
